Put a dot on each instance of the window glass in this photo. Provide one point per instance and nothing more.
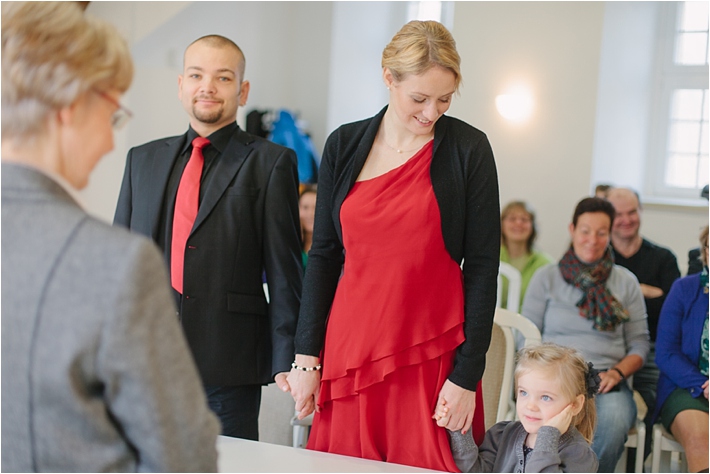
(692, 35)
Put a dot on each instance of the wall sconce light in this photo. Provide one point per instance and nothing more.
(516, 105)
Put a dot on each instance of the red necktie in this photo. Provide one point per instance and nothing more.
(186, 204)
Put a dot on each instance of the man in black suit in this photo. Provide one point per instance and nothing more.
(246, 225)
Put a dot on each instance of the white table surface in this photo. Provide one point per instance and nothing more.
(241, 455)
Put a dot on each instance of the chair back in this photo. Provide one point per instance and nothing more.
(515, 282)
(500, 364)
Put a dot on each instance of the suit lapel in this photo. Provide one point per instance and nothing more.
(161, 168)
(225, 169)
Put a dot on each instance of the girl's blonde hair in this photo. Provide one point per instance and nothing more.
(573, 373)
(52, 53)
(419, 46)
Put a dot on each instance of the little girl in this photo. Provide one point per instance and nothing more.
(555, 388)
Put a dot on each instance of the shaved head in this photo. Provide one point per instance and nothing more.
(217, 41)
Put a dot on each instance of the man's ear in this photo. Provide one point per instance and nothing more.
(244, 93)
(180, 86)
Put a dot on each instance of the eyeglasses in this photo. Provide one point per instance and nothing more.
(121, 116)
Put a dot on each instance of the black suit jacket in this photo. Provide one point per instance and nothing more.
(247, 223)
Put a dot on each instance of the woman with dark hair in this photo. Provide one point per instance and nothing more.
(517, 237)
(307, 214)
(587, 302)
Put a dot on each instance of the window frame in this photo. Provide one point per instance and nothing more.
(669, 77)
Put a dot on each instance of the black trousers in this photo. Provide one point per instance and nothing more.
(237, 408)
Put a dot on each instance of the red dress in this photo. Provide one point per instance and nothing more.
(394, 326)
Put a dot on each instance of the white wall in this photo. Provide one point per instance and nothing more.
(585, 61)
(554, 48)
(625, 87)
(361, 30)
(287, 49)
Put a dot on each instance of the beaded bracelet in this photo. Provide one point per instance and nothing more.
(305, 369)
(623, 377)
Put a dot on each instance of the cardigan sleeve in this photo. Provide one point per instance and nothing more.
(555, 452)
(325, 260)
(481, 259)
(469, 457)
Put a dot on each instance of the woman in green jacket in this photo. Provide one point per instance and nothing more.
(518, 233)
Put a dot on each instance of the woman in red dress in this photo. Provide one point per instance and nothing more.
(392, 325)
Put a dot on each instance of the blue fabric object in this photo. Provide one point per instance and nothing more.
(287, 133)
(678, 344)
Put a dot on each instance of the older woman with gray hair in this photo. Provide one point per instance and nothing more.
(96, 374)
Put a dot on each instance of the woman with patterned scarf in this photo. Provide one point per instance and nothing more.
(587, 302)
(682, 357)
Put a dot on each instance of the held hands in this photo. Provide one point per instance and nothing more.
(610, 379)
(454, 409)
(304, 386)
(705, 388)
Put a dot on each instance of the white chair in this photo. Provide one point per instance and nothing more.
(515, 280)
(301, 430)
(636, 436)
(274, 416)
(498, 377)
(635, 439)
(664, 444)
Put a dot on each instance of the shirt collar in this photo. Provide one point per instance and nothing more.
(219, 139)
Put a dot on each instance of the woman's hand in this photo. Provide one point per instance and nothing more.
(705, 388)
(454, 409)
(609, 380)
(562, 420)
(304, 386)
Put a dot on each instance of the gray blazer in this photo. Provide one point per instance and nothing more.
(96, 374)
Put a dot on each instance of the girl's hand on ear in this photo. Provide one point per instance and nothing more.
(562, 420)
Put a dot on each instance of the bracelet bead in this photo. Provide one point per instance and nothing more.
(305, 369)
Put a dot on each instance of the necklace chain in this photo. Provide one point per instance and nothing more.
(399, 150)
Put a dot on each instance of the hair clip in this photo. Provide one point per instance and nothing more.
(592, 380)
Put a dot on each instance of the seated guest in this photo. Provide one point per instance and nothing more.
(555, 389)
(601, 190)
(656, 268)
(587, 302)
(307, 214)
(695, 264)
(96, 374)
(682, 356)
(518, 234)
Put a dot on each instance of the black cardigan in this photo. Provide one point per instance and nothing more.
(465, 182)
